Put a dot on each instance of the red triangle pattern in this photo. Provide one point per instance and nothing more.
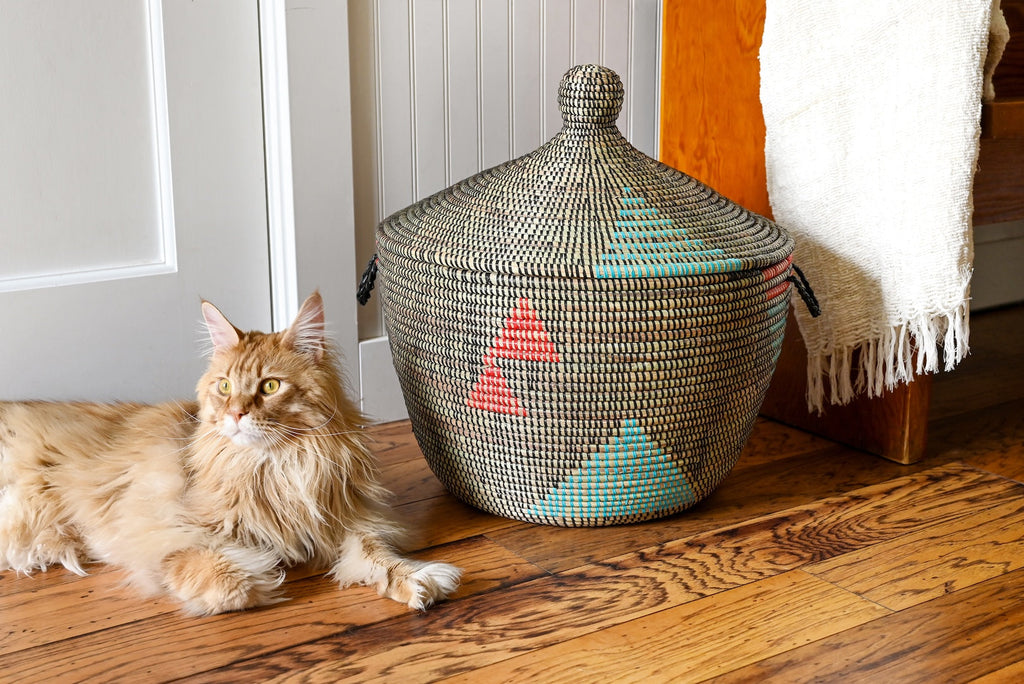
(491, 392)
(523, 338)
(776, 270)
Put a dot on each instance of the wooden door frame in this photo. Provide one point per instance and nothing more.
(308, 155)
(277, 151)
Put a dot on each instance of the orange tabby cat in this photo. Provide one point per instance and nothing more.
(208, 500)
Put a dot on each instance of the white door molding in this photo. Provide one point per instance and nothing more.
(134, 259)
(85, 182)
(312, 231)
(277, 149)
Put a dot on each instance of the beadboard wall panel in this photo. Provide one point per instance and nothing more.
(445, 88)
(442, 89)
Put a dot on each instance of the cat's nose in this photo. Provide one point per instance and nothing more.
(238, 415)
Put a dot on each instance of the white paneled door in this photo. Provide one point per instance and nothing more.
(131, 184)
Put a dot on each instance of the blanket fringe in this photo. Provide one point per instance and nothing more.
(879, 364)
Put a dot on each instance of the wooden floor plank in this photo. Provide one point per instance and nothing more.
(1011, 674)
(769, 439)
(738, 627)
(411, 481)
(14, 583)
(991, 439)
(460, 636)
(443, 520)
(571, 604)
(933, 562)
(751, 490)
(954, 638)
(316, 608)
(392, 443)
(77, 606)
(794, 505)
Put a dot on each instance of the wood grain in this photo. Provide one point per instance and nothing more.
(744, 625)
(932, 562)
(712, 127)
(812, 562)
(951, 639)
(989, 438)
(585, 600)
(1011, 674)
(114, 653)
(428, 521)
(29, 617)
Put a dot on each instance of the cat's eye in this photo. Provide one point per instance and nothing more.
(270, 386)
(224, 386)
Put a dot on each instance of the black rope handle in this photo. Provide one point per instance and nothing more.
(366, 282)
(806, 293)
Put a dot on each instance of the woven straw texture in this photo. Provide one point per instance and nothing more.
(583, 335)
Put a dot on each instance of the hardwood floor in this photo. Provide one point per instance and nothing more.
(811, 562)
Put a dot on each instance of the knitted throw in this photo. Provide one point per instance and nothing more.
(872, 110)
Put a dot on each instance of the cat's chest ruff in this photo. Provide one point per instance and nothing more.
(274, 505)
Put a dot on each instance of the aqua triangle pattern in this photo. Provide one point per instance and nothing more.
(630, 476)
(646, 244)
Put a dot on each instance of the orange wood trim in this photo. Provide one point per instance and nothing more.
(1003, 119)
(712, 126)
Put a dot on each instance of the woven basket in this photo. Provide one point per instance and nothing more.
(583, 335)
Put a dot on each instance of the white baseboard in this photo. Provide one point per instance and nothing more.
(381, 399)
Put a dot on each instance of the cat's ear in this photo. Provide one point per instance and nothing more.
(306, 333)
(223, 334)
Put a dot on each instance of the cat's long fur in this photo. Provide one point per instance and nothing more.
(209, 500)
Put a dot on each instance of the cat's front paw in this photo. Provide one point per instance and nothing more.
(210, 581)
(425, 584)
(371, 562)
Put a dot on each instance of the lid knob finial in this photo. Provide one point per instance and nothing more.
(590, 94)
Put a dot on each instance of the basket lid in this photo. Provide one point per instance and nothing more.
(586, 204)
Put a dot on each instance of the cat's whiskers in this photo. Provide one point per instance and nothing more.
(190, 414)
(317, 430)
(284, 436)
(326, 421)
(298, 433)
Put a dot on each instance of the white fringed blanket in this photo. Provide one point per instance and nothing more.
(872, 110)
